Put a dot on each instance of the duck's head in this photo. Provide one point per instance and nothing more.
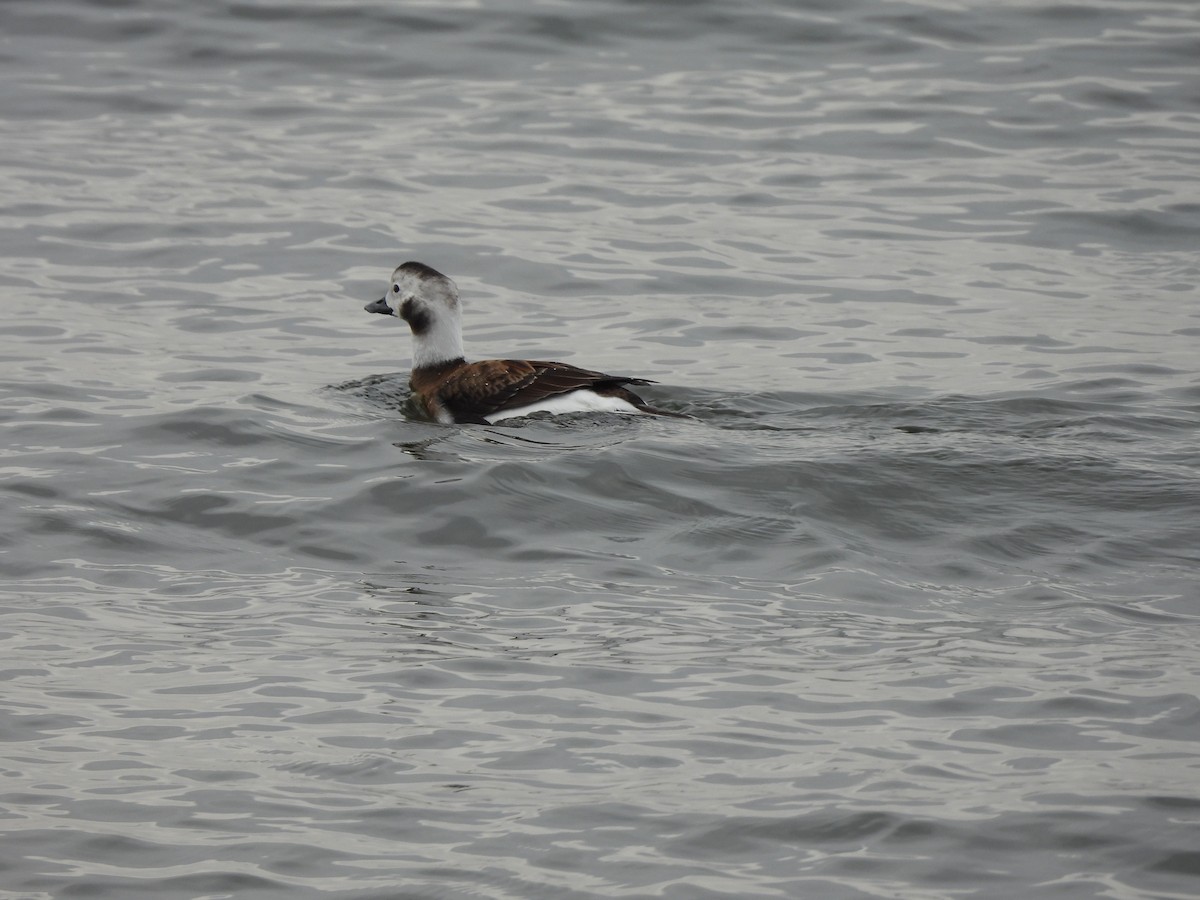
(428, 301)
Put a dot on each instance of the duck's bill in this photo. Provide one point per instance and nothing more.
(379, 306)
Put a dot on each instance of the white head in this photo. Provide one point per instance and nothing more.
(428, 301)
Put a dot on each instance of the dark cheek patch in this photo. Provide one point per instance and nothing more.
(416, 317)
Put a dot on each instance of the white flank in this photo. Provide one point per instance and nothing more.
(576, 401)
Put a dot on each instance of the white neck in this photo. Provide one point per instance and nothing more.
(441, 343)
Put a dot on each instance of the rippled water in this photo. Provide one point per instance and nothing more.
(908, 609)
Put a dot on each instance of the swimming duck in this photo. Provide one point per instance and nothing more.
(448, 389)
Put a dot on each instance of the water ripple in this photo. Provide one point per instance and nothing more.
(904, 610)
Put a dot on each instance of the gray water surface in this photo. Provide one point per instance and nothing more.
(907, 609)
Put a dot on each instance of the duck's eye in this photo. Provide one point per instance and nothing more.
(395, 288)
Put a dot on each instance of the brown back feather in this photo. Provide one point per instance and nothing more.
(483, 388)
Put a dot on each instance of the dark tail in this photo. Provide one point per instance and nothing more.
(632, 398)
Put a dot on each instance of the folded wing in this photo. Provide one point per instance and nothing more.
(480, 389)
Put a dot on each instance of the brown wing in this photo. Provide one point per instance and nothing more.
(480, 389)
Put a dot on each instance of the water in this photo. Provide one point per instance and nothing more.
(907, 610)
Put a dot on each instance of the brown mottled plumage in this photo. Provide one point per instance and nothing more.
(470, 392)
(447, 388)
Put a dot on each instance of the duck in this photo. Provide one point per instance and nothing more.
(448, 389)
